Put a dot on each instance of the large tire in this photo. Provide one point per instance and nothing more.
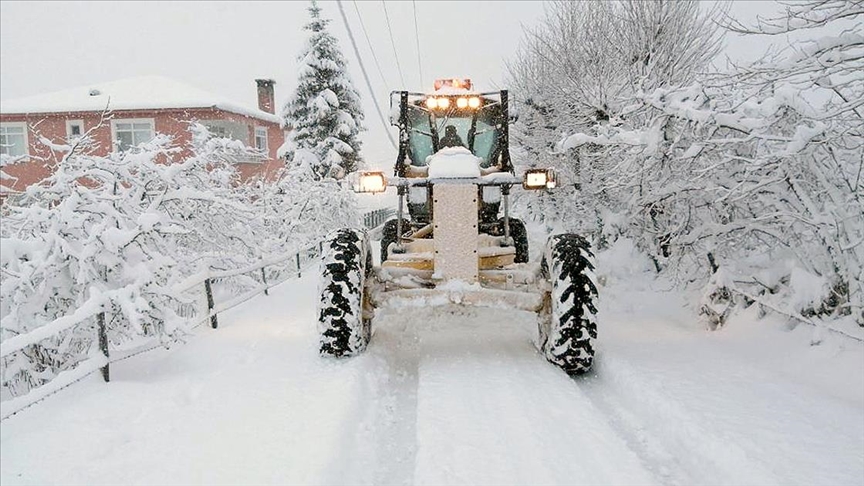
(568, 325)
(388, 235)
(345, 264)
(520, 238)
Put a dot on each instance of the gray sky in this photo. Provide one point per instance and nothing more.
(223, 46)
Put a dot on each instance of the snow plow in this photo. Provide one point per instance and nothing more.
(458, 243)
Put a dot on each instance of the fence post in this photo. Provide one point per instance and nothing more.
(214, 323)
(264, 278)
(298, 265)
(103, 344)
(321, 248)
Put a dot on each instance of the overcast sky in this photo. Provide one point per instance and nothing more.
(223, 46)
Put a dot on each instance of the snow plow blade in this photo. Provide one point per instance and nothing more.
(495, 298)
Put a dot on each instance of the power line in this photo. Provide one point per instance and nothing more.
(371, 49)
(393, 43)
(365, 75)
(417, 37)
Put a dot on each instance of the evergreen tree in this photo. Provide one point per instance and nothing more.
(325, 111)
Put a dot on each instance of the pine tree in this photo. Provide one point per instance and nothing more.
(325, 112)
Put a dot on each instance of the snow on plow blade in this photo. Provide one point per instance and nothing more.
(475, 297)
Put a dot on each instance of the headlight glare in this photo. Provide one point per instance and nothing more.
(370, 182)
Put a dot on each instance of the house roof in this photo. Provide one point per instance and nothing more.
(140, 93)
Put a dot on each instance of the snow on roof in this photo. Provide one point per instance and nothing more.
(140, 93)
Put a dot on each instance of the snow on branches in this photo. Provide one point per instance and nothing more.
(93, 229)
(299, 208)
(754, 174)
(325, 112)
(115, 234)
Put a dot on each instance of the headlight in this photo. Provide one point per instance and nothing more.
(474, 102)
(443, 103)
(462, 103)
(539, 179)
(370, 182)
(431, 103)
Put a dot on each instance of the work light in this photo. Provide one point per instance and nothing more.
(539, 179)
(370, 182)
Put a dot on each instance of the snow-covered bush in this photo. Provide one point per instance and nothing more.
(221, 229)
(115, 234)
(94, 234)
(324, 112)
(300, 208)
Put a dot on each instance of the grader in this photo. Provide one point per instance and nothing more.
(458, 243)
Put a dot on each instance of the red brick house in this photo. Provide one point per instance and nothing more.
(140, 108)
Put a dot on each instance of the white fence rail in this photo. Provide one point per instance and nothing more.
(203, 308)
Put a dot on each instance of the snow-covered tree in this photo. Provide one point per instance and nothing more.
(300, 209)
(749, 181)
(222, 229)
(93, 236)
(579, 73)
(324, 112)
(116, 233)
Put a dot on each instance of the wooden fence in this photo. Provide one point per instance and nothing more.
(269, 273)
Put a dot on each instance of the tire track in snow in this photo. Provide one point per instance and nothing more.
(473, 402)
(379, 445)
(702, 410)
(397, 345)
(672, 442)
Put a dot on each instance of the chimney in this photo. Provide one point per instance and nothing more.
(266, 98)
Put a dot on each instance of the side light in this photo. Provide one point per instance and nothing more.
(462, 103)
(371, 182)
(539, 179)
(474, 102)
(443, 103)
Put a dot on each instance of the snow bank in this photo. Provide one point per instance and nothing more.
(62, 380)
(808, 290)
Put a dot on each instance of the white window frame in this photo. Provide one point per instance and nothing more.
(70, 124)
(266, 147)
(115, 143)
(26, 136)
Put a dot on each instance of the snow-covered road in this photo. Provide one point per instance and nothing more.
(458, 396)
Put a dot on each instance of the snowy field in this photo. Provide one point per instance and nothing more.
(460, 396)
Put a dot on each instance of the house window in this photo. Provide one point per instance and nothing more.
(227, 129)
(74, 129)
(130, 133)
(261, 138)
(218, 132)
(13, 139)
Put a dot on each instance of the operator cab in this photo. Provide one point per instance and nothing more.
(453, 115)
